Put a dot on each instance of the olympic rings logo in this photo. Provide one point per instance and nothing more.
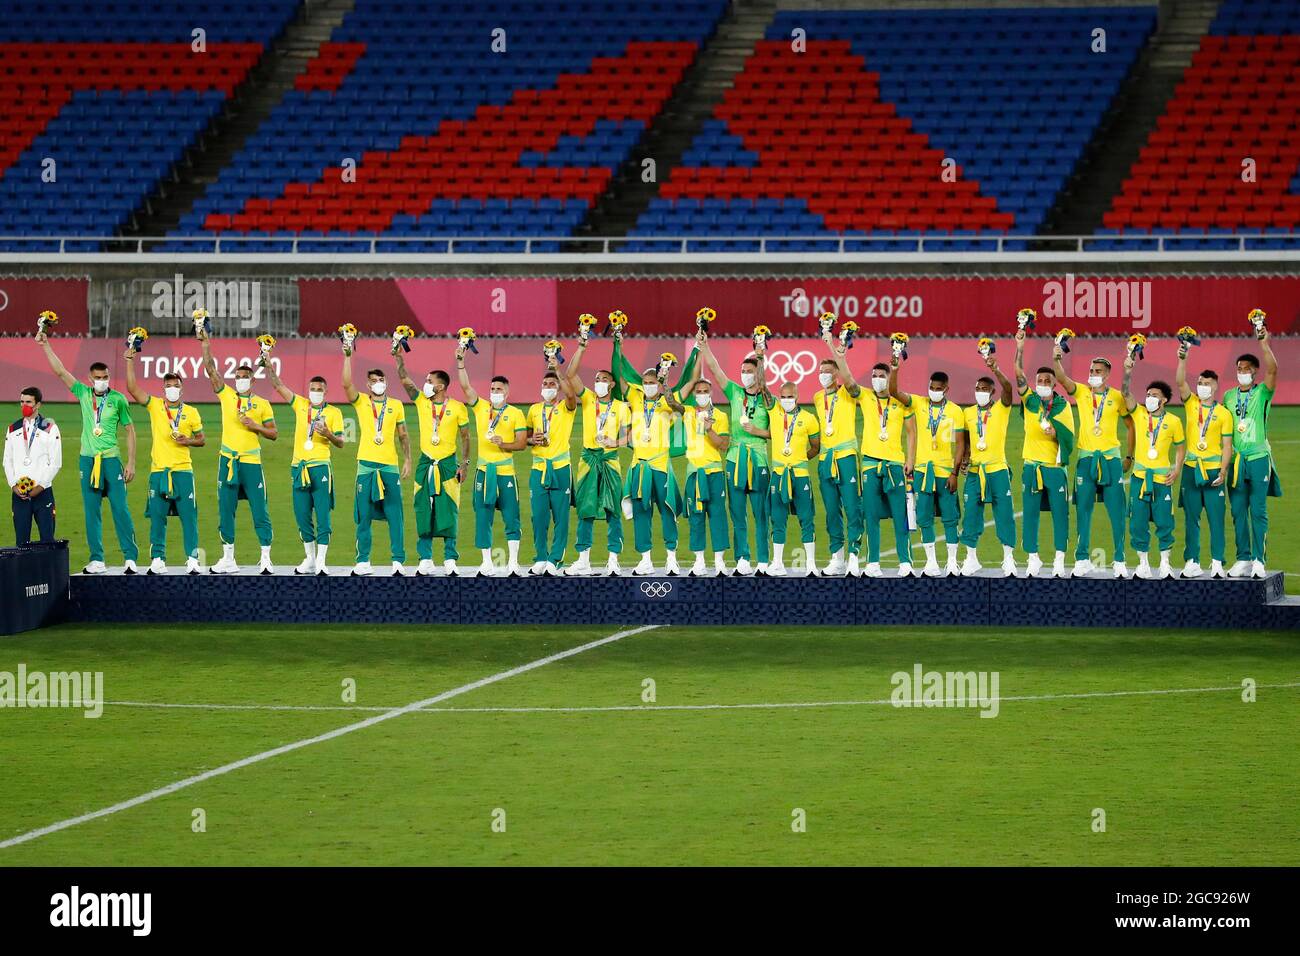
(4, 300)
(784, 367)
(656, 589)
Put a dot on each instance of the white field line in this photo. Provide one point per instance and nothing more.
(320, 738)
(628, 708)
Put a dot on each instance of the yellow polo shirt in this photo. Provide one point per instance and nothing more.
(798, 428)
(1206, 428)
(165, 453)
(439, 425)
(234, 436)
(607, 418)
(556, 423)
(507, 422)
(936, 431)
(1098, 413)
(1162, 432)
(652, 424)
(990, 426)
(1039, 447)
(378, 418)
(304, 416)
(700, 452)
(887, 413)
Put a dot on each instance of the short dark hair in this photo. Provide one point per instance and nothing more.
(500, 378)
(375, 371)
(101, 367)
(940, 377)
(34, 392)
(1210, 373)
(749, 361)
(1164, 388)
(1102, 361)
(606, 371)
(551, 374)
(244, 366)
(984, 380)
(880, 366)
(1047, 369)
(829, 361)
(1248, 358)
(442, 377)
(316, 378)
(173, 377)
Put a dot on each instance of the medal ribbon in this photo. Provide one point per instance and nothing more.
(176, 422)
(1203, 420)
(828, 408)
(936, 419)
(1153, 430)
(492, 424)
(883, 411)
(1243, 402)
(99, 409)
(981, 422)
(546, 422)
(313, 419)
(437, 418)
(36, 425)
(602, 414)
(1045, 409)
(790, 421)
(1098, 409)
(379, 416)
(648, 410)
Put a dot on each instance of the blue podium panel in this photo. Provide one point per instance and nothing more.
(656, 600)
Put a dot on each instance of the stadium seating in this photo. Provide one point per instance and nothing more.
(448, 137)
(848, 136)
(112, 93)
(1235, 103)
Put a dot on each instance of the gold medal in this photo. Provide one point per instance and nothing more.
(981, 445)
(308, 445)
(176, 435)
(1151, 452)
(1241, 427)
(1201, 445)
(1097, 430)
(830, 428)
(934, 445)
(379, 439)
(787, 451)
(97, 431)
(884, 434)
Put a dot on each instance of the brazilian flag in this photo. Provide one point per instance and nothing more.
(1061, 416)
(625, 372)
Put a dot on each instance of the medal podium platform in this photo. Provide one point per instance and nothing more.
(983, 600)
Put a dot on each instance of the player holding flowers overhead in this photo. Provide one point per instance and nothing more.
(1209, 428)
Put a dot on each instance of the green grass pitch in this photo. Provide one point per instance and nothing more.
(1284, 549)
(583, 772)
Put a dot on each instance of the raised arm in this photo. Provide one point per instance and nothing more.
(1022, 381)
(720, 379)
(56, 366)
(1180, 376)
(1126, 384)
(471, 396)
(894, 390)
(285, 391)
(210, 365)
(575, 364)
(838, 354)
(1066, 382)
(349, 390)
(408, 383)
(132, 386)
(1004, 384)
(570, 389)
(1270, 361)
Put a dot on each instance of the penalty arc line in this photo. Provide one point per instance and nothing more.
(319, 738)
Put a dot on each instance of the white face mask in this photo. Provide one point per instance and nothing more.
(1245, 378)
(173, 394)
(826, 378)
(983, 398)
(497, 398)
(101, 386)
(1044, 391)
(937, 396)
(428, 390)
(789, 403)
(379, 388)
(317, 397)
(881, 385)
(1153, 403)
(548, 394)
(651, 390)
(747, 379)
(602, 388)
(1094, 381)
(1205, 392)
(242, 385)
(705, 400)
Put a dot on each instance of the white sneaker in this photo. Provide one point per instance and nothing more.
(95, 567)
(720, 566)
(776, 568)
(539, 567)
(487, 569)
(1241, 569)
(932, 569)
(1033, 566)
(552, 570)
(449, 568)
(1216, 570)
(192, 566)
(1257, 570)
(699, 567)
(1163, 571)
(264, 566)
(580, 566)
(128, 567)
(1009, 568)
(513, 570)
(952, 569)
(971, 565)
(645, 565)
(1120, 569)
(361, 569)
(224, 566)
(157, 566)
(854, 569)
(761, 568)
(744, 568)
(425, 567)
(398, 570)
(872, 570)
(1192, 569)
(670, 564)
(1083, 568)
(1143, 570)
(308, 566)
(612, 566)
(905, 570)
(1058, 566)
(835, 566)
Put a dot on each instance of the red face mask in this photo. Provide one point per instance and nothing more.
(29, 411)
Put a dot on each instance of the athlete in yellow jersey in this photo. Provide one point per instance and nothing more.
(795, 439)
(988, 479)
(245, 420)
(888, 456)
(1101, 467)
(1160, 453)
(1045, 478)
(708, 433)
(381, 427)
(1209, 428)
(176, 428)
(651, 482)
(550, 482)
(837, 463)
(502, 430)
(598, 489)
(940, 447)
(318, 430)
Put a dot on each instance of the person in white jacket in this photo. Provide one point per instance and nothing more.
(33, 453)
